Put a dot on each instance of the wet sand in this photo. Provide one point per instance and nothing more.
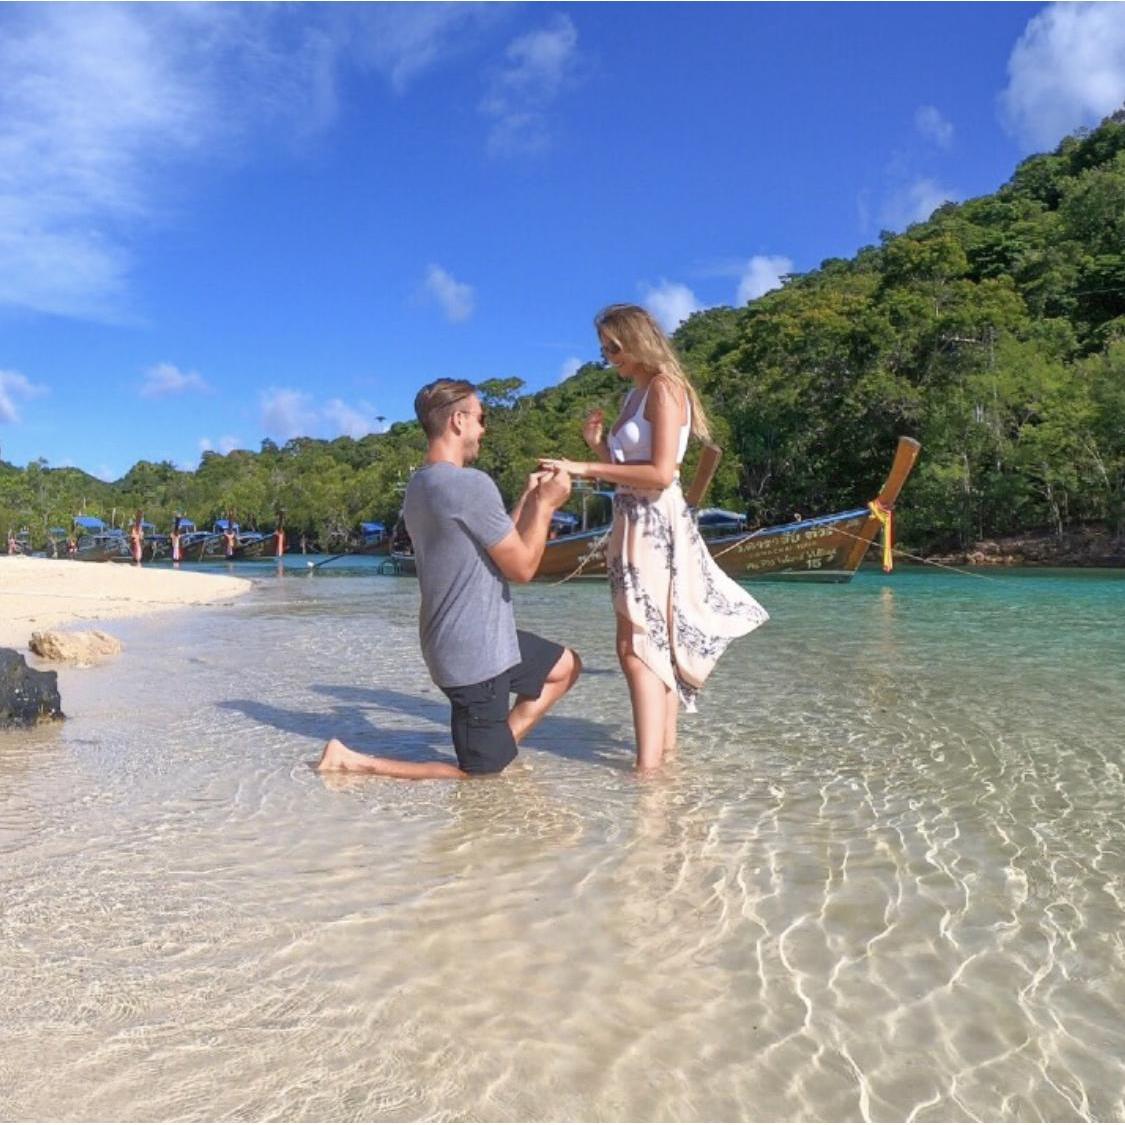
(38, 594)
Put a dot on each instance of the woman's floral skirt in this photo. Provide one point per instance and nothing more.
(683, 608)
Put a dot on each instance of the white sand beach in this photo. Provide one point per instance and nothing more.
(37, 594)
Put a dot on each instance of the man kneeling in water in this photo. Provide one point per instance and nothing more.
(466, 549)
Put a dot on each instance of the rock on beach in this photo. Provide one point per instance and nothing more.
(27, 697)
(85, 648)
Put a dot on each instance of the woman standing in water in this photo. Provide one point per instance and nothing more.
(676, 610)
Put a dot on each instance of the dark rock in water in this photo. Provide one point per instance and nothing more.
(27, 697)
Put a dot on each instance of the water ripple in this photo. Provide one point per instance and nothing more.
(883, 879)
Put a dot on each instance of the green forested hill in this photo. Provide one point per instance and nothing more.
(994, 333)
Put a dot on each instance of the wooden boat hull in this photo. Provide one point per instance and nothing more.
(826, 549)
(383, 547)
(403, 563)
(199, 551)
(582, 552)
(100, 554)
(102, 548)
(264, 548)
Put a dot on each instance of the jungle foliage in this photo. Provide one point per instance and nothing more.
(994, 332)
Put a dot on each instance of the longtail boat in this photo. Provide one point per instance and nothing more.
(374, 539)
(252, 545)
(195, 546)
(97, 541)
(402, 549)
(102, 548)
(824, 549)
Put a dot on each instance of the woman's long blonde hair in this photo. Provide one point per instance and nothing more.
(632, 329)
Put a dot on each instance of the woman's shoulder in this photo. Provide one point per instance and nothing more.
(664, 393)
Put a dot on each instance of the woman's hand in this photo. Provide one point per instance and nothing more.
(592, 429)
(558, 464)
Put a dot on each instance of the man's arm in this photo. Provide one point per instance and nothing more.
(518, 554)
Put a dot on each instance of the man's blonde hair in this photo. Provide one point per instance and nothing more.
(436, 403)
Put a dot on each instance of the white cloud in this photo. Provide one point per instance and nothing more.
(671, 303)
(13, 386)
(537, 68)
(90, 93)
(167, 379)
(1066, 70)
(761, 274)
(915, 203)
(928, 120)
(288, 414)
(102, 105)
(403, 41)
(354, 422)
(454, 297)
(224, 445)
(570, 366)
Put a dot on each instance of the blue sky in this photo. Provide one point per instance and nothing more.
(220, 223)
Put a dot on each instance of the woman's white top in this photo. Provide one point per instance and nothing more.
(633, 438)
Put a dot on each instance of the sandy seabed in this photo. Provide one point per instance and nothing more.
(882, 880)
(37, 594)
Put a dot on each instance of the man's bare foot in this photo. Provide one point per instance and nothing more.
(337, 756)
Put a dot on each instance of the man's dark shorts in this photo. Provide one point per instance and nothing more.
(479, 722)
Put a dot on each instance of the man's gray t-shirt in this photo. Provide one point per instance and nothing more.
(467, 626)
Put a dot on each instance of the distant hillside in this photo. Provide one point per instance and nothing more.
(994, 332)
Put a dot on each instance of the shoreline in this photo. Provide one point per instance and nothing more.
(40, 594)
(1080, 549)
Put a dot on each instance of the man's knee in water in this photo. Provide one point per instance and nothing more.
(569, 668)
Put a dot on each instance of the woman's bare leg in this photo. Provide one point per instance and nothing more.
(671, 716)
(337, 756)
(647, 693)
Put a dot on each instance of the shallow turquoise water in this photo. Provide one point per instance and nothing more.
(884, 878)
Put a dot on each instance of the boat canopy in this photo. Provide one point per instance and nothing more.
(565, 519)
(720, 515)
(185, 524)
(222, 525)
(373, 528)
(90, 523)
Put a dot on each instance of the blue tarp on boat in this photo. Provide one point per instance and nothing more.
(373, 528)
(90, 523)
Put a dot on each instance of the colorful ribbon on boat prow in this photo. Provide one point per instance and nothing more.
(886, 518)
